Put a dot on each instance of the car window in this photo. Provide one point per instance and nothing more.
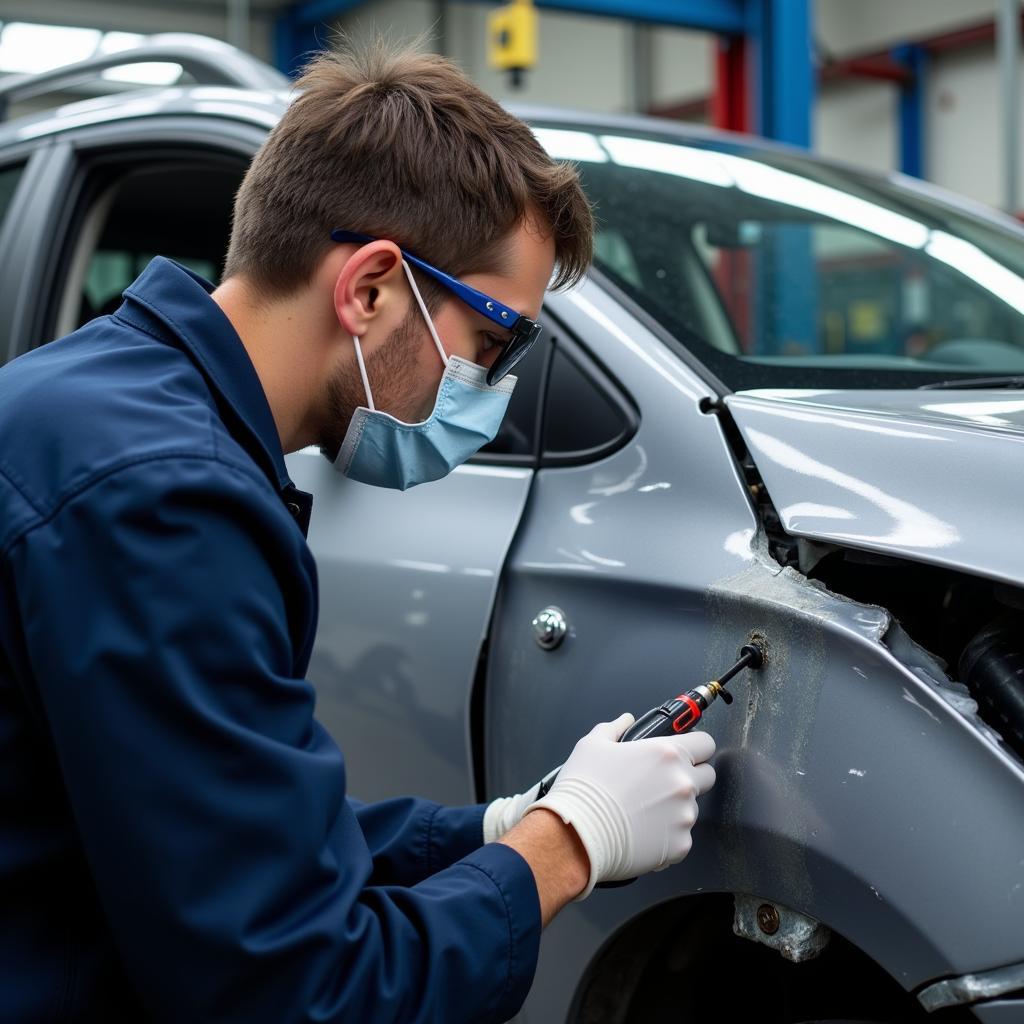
(586, 417)
(122, 226)
(777, 270)
(111, 270)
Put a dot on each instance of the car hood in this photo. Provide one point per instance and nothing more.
(936, 476)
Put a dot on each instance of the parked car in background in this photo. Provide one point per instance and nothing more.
(784, 405)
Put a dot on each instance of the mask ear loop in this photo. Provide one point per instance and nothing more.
(362, 373)
(423, 310)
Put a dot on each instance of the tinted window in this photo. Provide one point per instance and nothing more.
(584, 417)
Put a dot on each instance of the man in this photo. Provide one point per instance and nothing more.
(177, 844)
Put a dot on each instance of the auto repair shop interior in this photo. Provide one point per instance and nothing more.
(775, 424)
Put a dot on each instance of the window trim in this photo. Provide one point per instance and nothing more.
(597, 374)
(86, 191)
(71, 154)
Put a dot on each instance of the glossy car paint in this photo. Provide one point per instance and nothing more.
(260, 107)
(407, 583)
(854, 778)
(1001, 1011)
(922, 474)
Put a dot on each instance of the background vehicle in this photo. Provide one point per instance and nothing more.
(722, 433)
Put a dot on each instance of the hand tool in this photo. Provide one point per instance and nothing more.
(682, 713)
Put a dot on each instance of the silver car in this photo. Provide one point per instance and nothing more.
(785, 405)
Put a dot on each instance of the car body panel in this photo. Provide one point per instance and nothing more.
(1000, 1011)
(842, 768)
(261, 108)
(407, 583)
(926, 475)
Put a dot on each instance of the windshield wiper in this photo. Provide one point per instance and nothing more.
(975, 382)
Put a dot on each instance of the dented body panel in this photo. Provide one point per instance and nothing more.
(854, 777)
(929, 475)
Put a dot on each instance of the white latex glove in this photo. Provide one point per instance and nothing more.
(507, 811)
(632, 804)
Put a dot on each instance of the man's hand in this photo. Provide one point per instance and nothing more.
(632, 805)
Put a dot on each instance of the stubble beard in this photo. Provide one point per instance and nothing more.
(390, 369)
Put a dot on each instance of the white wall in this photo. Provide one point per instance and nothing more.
(584, 62)
(850, 26)
(965, 140)
(683, 65)
(858, 120)
(853, 122)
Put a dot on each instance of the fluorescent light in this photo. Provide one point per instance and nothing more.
(668, 158)
(34, 48)
(978, 266)
(568, 145)
(150, 72)
(794, 190)
(143, 73)
(112, 42)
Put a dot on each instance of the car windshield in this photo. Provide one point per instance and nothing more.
(780, 271)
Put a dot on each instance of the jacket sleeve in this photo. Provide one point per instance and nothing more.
(411, 839)
(159, 613)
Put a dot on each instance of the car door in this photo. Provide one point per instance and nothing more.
(30, 177)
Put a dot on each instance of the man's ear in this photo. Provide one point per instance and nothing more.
(368, 286)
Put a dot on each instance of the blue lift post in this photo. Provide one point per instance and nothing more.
(912, 108)
(779, 37)
(786, 315)
(301, 30)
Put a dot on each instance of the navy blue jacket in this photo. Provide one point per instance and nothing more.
(175, 839)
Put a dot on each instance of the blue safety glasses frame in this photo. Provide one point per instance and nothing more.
(523, 331)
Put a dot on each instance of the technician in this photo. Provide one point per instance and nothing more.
(175, 839)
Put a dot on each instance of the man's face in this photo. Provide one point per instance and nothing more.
(405, 369)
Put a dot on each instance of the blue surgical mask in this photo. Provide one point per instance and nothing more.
(381, 450)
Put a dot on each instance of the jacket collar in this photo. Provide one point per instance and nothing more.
(174, 303)
(180, 300)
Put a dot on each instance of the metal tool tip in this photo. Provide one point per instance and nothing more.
(755, 654)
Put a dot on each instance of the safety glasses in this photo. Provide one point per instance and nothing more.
(523, 331)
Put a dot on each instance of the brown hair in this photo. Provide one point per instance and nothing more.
(400, 144)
